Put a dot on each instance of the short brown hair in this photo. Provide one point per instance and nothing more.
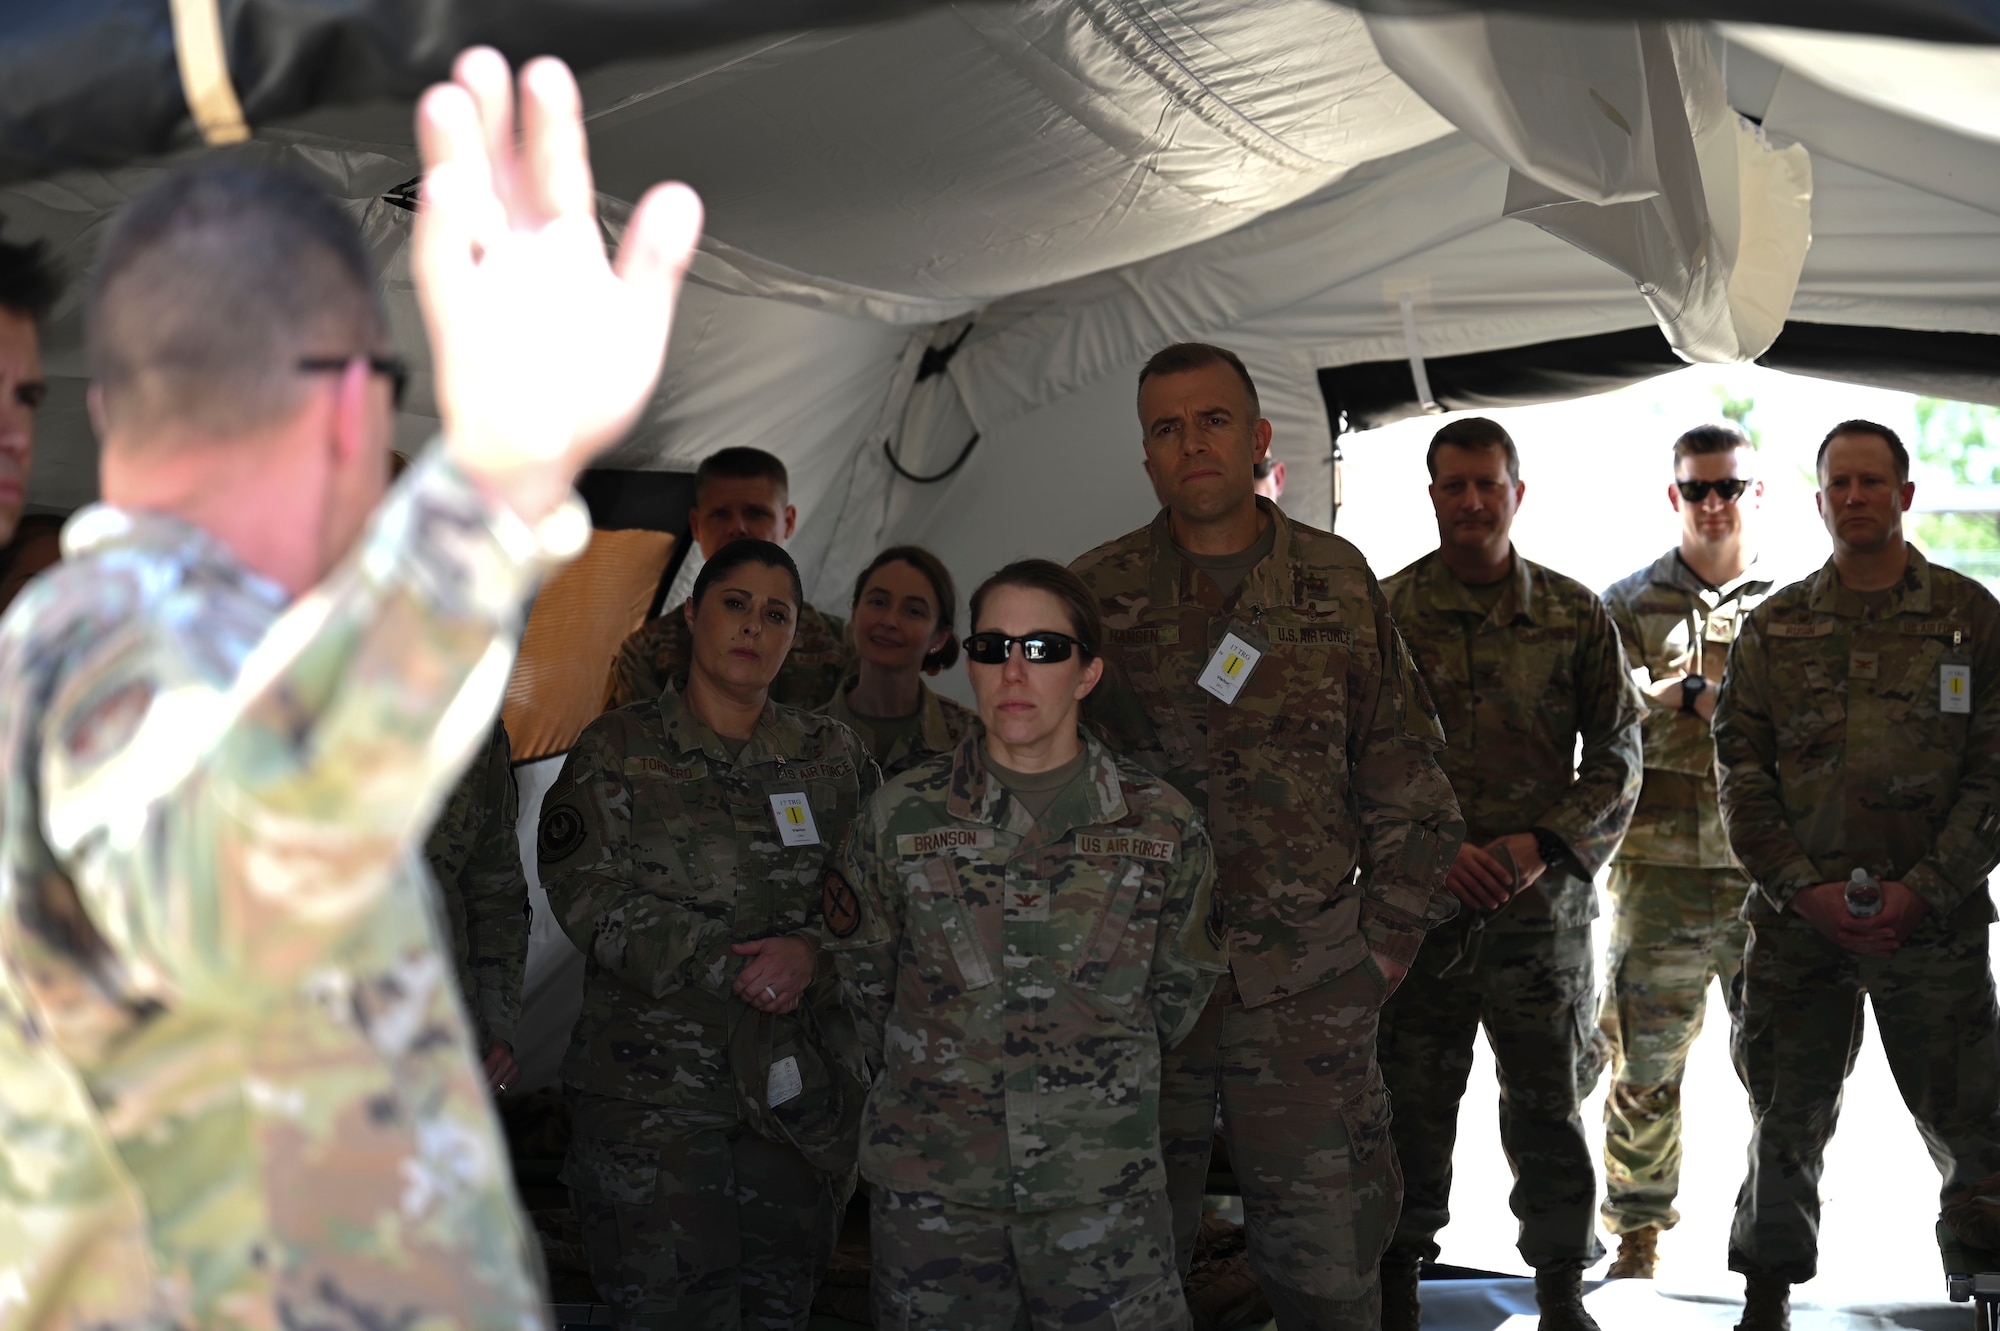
(1473, 433)
(29, 281)
(942, 587)
(1900, 454)
(1086, 624)
(214, 283)
(1703, 440)
(740, 463)
(1184, 356)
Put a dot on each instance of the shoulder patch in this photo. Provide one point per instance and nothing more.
(1217, 923)
(945, 838)
(839, 905)
(560, 835)
(1132, 847)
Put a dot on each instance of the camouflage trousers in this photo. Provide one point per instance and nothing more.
(692, 1220)
(1675, 929)
(940, 1265)
(1307, 1124)
(1533, 993)
(1798, 1032)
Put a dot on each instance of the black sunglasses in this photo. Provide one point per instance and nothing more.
(395, 367)
(1042, 648)
(1731, 489)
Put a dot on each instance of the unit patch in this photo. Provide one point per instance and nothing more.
(840, 907)
(560, 835)
(1132, 847)
(945, 838)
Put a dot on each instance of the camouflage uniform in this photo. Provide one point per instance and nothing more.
(1324, 761)
(1676, 891)
(1018, 980)
(944, 724)
(1516, 686)
(1835, 753)
(476, 860)
(659, 851)
(657, 651)
(215, 916)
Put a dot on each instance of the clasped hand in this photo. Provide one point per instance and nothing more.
(1482, 881)
(1824, 906)
(777, 973)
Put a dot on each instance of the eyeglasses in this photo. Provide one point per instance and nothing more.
(1039, 647)
(395, 367)
(1731, 488)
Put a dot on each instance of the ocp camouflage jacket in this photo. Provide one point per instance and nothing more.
(1672, 623)
(1017, 980)
(658, 851)
(1516, 687)
(1836, 751)
(1333, 824)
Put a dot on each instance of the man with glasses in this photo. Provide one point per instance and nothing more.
(229, 715)
(1526, 668)
(1251, 662)
(1858, 734)
(1676, 890)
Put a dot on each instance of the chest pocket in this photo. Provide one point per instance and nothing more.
(1156, 661)
(1808, 699)
(1121, 886)
(1300, 688)
(1912, 695)
(668, 819)
(944, 938)
(1536, 682)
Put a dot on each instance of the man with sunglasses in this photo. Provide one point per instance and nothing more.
(1858, 731)
(1676, 890)
(229, 715)
(1525, 667)
(1252, 663)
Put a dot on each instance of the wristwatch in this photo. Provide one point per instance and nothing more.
(1549, 846)
(1691, 688)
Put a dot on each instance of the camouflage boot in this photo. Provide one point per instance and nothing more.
(1559, 1294)
(1402, 1304)
(1638, 1254)
(1767, 1306)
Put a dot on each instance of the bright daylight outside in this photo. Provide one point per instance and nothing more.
(1596, 508)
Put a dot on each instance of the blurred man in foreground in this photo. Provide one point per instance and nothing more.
(1858, 737)
(1676, 889)
(229, 716)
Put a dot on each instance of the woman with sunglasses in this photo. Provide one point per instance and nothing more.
(903, 613)
(682, 848)
(1023, 926)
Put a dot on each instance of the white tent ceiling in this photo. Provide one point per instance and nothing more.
(1085, 180)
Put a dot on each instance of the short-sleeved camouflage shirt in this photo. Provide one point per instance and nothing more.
(1671, 623)
(1517, 686)
(1848, 738)
(1018, 980)
(1333, 824)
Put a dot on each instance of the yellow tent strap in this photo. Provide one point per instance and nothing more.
(211, 97)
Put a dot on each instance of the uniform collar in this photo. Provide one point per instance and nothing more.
(975, 796)
(1911, 596)
(1172, 577)
(689, 734)
(101, 529)
(932, 729)
(1670, 570)
(1443, 591)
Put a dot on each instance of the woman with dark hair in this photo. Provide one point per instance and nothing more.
(904, 607)
(713, 1073)
(1023, 927)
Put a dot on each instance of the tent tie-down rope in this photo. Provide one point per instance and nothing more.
(204, 65)
(934, 363)
(1418, 374)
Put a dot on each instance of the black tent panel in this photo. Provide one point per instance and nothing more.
(95, 83)
(1930, 20)
(1961, 366)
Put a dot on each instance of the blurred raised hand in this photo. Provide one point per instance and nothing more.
(544, 351)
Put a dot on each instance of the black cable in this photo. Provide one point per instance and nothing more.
(889, 452)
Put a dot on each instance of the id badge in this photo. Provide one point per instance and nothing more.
(1955, 688)
(1229, 669)
(795, 819)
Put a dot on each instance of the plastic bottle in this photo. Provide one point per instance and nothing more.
(1864, 894)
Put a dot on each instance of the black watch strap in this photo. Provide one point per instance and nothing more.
(1692, 687)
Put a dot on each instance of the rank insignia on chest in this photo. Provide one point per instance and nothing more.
(1864, 665)
(1721, 626)
(1027, 901)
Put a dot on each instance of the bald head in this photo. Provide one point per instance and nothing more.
(212, 286)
